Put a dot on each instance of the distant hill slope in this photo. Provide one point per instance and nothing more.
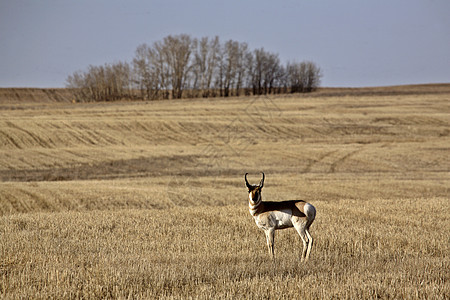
(14, 95)
(34, 95)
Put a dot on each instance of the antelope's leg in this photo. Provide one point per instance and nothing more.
(310, 244)
(270, 237)
(301, 229)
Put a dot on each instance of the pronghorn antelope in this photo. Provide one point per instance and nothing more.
(270, 216)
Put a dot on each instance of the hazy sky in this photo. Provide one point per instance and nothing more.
(356, 43)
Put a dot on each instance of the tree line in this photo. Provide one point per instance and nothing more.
(184, 67)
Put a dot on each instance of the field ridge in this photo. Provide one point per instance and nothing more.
(23, 95)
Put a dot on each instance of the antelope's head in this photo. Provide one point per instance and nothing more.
(254, 191)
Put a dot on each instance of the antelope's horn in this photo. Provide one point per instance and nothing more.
(246, 181)
(261, 184)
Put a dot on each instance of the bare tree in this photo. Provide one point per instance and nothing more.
(281, 84)
(206, 57)
(263, 68)
(144, 77)
(250, 73)
(271, 72)
(313, 75)
(242, 51)
(180, 66)
(118, 78)
(77, 84)
(303, 77)
(101, 83)
(176, 52)
(230, 53)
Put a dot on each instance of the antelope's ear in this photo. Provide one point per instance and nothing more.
(246, 182)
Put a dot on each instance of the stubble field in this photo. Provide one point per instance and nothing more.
(147, 199)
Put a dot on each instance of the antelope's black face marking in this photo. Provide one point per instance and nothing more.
(254, 194)
(253, 188)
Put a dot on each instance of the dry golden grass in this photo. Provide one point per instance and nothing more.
(145, 200)
(369, 250)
